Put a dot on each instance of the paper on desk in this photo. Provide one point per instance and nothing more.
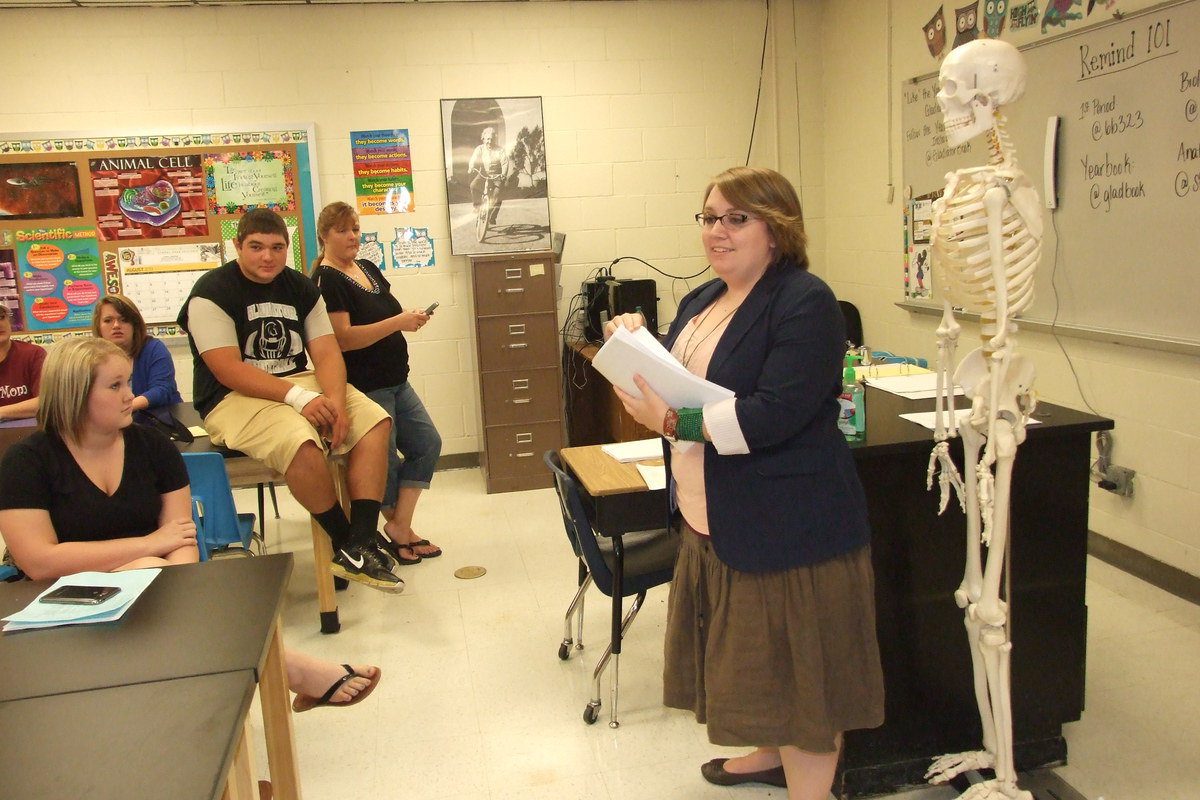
(655, 475)
(640, 450)
(197, 431)
(928, 419)
(914, 387)
(628, 353)
(49, 615)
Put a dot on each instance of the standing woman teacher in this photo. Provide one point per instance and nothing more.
(369, 324)
(771, 620)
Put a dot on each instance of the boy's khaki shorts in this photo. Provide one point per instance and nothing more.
(273, 432)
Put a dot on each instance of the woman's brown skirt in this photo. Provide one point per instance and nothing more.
(778, 658)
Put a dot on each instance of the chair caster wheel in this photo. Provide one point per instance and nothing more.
(564, 651)
(591, 713)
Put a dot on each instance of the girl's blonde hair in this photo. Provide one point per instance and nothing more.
(68, 375)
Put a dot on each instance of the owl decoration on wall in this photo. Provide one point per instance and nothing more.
(935, 34)
(1059, 13)
(371, 249)
(966, 23)
(994, 14)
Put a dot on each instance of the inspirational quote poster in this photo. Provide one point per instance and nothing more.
(239, 182)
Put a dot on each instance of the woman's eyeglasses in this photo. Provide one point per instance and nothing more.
(731, 220)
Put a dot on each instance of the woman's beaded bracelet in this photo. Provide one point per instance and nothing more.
(690, 427)
(670, 425)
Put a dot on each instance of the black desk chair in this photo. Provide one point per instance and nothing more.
(620, 566)
(854, 327)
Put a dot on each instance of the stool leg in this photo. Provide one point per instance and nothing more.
(326, 600)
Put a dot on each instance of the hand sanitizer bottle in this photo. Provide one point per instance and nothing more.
(852, 412)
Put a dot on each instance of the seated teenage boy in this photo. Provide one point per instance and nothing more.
(249, 322)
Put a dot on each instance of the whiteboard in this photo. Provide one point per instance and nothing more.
(1123, 245)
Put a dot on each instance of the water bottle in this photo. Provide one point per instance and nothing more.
(852, 410)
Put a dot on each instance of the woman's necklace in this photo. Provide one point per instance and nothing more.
(687, 357)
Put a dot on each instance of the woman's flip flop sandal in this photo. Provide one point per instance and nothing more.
(304, 702)
(424, 543)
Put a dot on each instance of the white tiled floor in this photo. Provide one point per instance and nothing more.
(474, 702)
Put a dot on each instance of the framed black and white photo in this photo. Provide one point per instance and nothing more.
(496, 191)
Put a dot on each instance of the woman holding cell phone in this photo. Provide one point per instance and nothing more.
(370, 324)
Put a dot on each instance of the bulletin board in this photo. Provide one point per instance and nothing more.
(1119, 251)
(85, 214)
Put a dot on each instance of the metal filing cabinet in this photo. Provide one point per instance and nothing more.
(516, 328)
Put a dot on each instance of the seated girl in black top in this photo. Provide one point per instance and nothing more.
(92, 492)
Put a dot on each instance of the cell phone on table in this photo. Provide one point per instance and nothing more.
(429, 310)
(81, 595)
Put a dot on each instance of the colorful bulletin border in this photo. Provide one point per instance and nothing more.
(239, 182)
(412, 247)
(59, 274)
(383, 181)
(148, 197)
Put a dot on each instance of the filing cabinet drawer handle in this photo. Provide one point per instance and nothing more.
(523, 455)
(515, 346)
(520, 401)
(520, 384)
(524, 438)
(516, 329)
(513, 274)
(513, 290)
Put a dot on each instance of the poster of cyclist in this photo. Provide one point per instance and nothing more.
(496, 189)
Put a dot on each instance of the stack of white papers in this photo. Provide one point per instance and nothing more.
(914, 387)
(628, 353)
(640, 450)
(49, 615)
(654, 476)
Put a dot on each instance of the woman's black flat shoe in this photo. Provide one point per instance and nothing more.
(714, 772)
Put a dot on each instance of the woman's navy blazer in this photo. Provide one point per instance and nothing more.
(795, 499)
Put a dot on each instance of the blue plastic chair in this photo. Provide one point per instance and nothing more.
(218, 523)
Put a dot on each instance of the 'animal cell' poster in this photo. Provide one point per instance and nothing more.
(148, 197)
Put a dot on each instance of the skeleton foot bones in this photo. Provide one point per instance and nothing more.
(948, 767)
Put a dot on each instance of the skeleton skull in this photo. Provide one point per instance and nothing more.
(975, 79)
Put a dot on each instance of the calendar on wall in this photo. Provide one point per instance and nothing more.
(84, 214)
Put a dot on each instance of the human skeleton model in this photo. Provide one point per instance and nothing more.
(986, 239)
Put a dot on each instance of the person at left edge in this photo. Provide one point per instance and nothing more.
(252, 324)
(20, 372)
